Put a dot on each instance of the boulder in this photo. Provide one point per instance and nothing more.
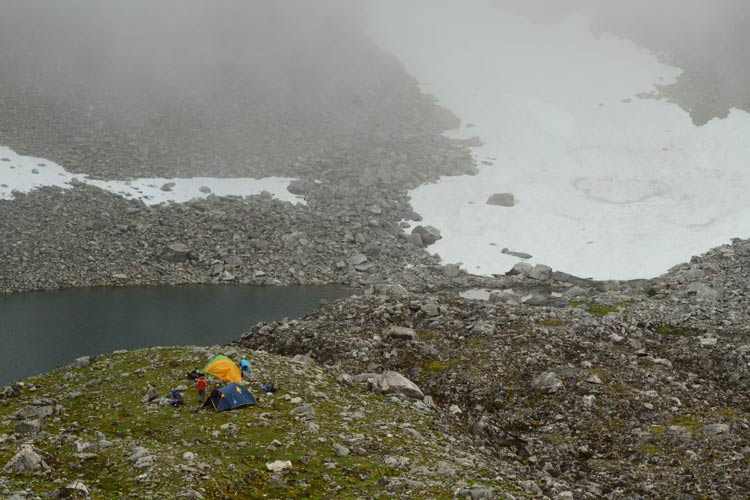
(502, 200)
(394, 383)
(548, 382)
(520, 269)
(82, 362)
(427, 234)
(452, 270)
(390, 290)
(513, 253)
(401, 333)
(357, 259)
(176, 252)
(26, 461)
(540, 272)
(299, 187)
(29, 427)
(76, 489)
(279, 465)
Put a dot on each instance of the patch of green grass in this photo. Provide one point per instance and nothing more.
(552, 322)
(427, 335)
(657, 429)
(110, 404)
(690, 422)
(650, 449)
(596, 309)
(435, 366)
(674, 330)
(601, 310)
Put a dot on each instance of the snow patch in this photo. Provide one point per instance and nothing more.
(25, 173)
(608, 185)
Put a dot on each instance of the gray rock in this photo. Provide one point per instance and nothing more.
(341, 451)
(476, 493)
(502, 200)
(548, 382)
(357, 259)
(305, 411)
(396, 461)
(522, 268)
(176, 252)
(36, 412)
(29, 427)
(483, 327)
(452, 270)
(430, 309)
(401, 333)
(540, 272)
(25, 461)
(445, 469)
(416, 240)
(391, 382)
(715, 429)
(390, 290)
(427, 234)
(82, 362)
(702, 291)
(168, 186)
(9, 391)
(76, 489)
(513, 253)
(299, 187)
(205, 189)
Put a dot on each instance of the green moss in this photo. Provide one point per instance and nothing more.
(552, 322)
(673, 330)
(601, 310)
(435, 366)
(657, 429)
(596, 309)
(690, 422)
(111, 404)
(428, 335)
(650, 449)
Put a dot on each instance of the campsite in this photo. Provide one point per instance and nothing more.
(99, 430)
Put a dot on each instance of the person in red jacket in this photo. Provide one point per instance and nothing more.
(201, 384)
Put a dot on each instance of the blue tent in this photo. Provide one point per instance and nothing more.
(229, 397)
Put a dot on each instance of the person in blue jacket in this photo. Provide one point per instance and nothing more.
(246, 369)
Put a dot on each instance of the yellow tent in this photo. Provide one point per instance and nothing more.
(224, 369)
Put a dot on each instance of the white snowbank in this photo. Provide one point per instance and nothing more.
(25, 173)
(607, 184)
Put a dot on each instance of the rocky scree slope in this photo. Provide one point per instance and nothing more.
(617, 390)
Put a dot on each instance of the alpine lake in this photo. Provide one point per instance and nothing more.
(41, 331)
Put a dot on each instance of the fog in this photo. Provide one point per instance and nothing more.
(706, 39)
(172, 50)
(185, 87)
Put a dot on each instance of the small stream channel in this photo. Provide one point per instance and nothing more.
(41, 331)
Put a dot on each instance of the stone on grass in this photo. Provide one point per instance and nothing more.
(279, 465)
(391, 382)
(25, 461)
(401, 333)
(548, 382)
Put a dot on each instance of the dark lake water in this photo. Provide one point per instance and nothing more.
(41, 331)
